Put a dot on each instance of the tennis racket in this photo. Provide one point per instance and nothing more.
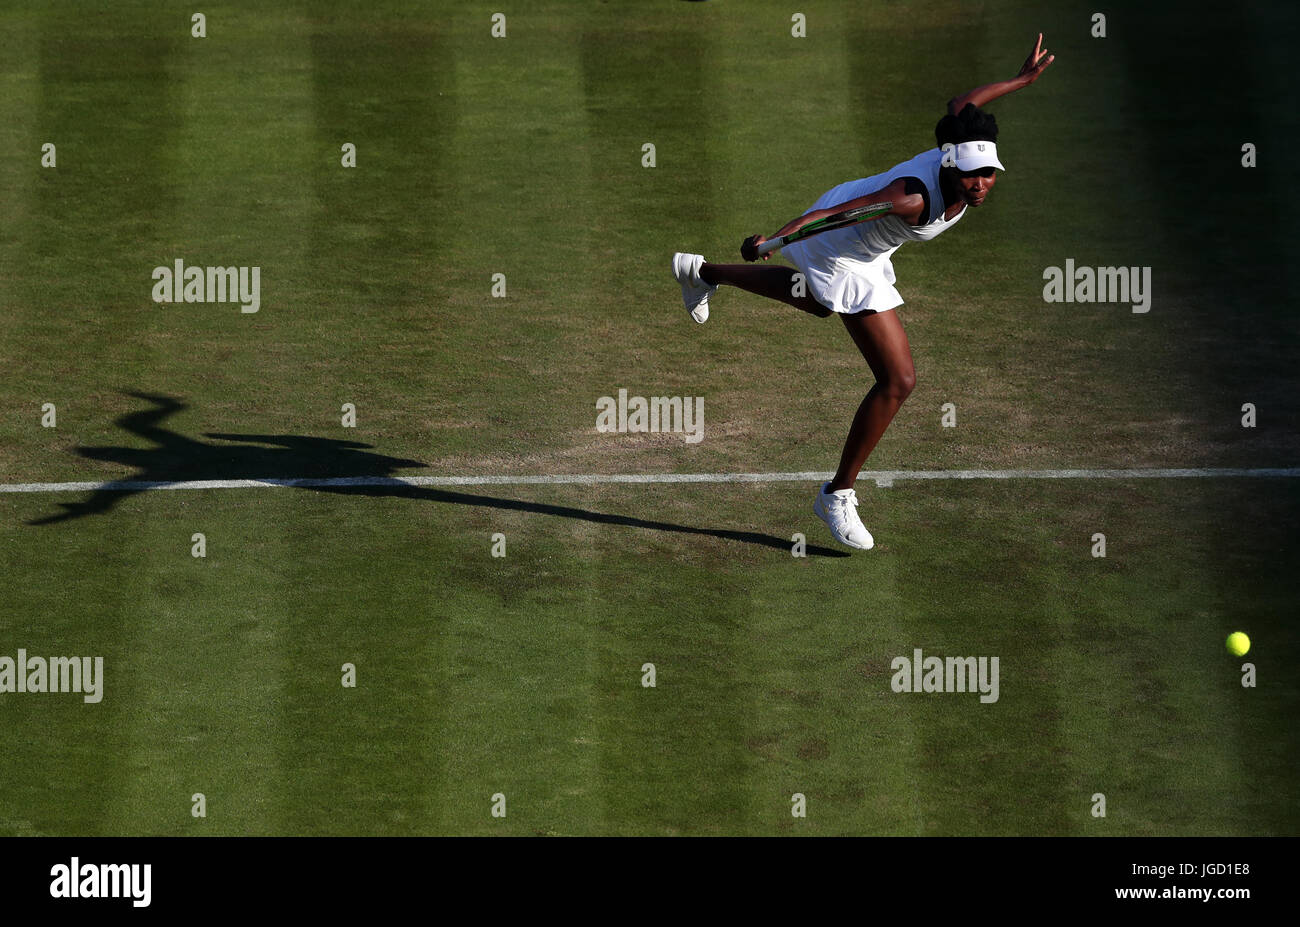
(837, 221)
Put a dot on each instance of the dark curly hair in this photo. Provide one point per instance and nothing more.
(972, 124)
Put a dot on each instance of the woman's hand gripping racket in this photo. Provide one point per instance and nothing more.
(752, 248)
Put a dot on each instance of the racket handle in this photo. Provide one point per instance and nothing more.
(772, 244)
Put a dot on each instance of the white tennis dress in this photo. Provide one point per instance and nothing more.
(848, 269)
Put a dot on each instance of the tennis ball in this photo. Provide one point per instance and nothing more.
(1238, 644)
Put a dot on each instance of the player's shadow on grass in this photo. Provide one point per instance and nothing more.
(176, 458)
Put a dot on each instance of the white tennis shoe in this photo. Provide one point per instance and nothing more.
(840, 512)
(695, 292)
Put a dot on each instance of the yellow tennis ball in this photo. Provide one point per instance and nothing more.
(1238, 644)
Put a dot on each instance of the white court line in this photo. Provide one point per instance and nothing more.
(880, 477)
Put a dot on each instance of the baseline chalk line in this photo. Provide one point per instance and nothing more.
(879, 477)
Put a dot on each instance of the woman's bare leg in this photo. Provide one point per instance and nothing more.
(771, 280)
(880, 338)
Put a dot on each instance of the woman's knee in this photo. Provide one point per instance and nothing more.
(898, 384)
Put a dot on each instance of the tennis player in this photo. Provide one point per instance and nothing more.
(847, 271)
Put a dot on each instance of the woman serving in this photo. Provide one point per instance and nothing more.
(846, 271)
